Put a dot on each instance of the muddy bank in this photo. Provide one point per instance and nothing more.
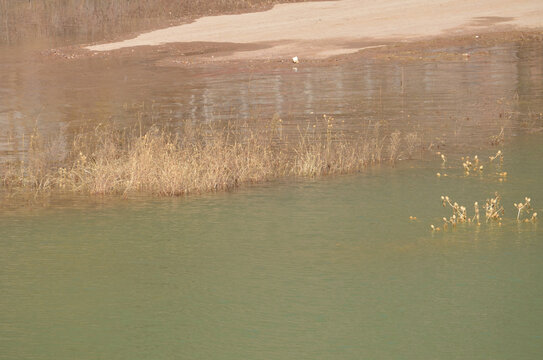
(462, 47)
(341, 27)
(73, 21)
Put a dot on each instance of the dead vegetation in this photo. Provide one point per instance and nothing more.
(192, 158)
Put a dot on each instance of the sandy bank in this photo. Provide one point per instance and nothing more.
(322, 29)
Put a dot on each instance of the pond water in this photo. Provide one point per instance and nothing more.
(320, 269)
(454, 102)
(323, 268)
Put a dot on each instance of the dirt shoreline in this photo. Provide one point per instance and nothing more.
(456, 47)
(333, 28)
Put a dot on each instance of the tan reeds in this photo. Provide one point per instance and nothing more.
(459, 214)
(493, 208)
(412, 141)
(191, 158)
(526, 208)
(499, 138)
(474, 166)
(494, 211)
(394, 146)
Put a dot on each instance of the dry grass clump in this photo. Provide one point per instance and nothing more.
(471, 166)
(412, 142)
(499, 138)
(109, 161)
(191, 158)
(459, 212)
(494, 212)
(525, 208)
(474, 166)
(493, 209)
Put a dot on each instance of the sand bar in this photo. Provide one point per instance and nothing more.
(326, 28)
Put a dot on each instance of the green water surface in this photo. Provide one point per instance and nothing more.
(319, 269)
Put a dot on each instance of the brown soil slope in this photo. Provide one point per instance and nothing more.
(322, 29)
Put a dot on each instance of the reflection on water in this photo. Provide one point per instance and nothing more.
(328, 269)
(451, 100)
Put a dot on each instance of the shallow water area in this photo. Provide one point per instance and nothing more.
(456, 102)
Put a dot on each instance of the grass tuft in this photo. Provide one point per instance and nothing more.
(191, 158)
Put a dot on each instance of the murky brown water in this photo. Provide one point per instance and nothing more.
(448, 101)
